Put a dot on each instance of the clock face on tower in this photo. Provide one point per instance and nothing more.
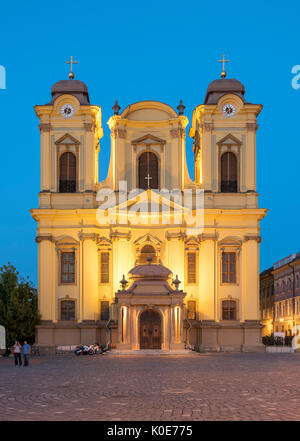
(229, 110)
(67, 110)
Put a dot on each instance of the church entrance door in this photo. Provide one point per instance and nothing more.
(150, 330)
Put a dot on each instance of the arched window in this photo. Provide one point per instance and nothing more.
(148, 171)
(228, 173)
(147, 252)
(67, 173)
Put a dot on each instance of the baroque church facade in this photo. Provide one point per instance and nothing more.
(151, 268)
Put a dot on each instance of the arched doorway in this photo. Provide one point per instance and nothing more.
(67, 173)
(148, 251)
(150, 330)
(228, 173)
(148, 171)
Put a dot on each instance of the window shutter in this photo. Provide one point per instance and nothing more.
(104, 267)
(191, 315)
(191, 263)
(104, 310)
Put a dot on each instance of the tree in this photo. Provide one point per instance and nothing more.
(18, 306)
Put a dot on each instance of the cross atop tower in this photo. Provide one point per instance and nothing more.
(71, 74)
(223, 73)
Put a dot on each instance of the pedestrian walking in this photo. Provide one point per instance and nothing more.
(26, 352)
(17, 353)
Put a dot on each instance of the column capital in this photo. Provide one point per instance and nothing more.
(45, 127)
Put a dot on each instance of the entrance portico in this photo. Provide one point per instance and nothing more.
(150, 311)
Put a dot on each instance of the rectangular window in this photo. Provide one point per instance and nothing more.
(67, 311)
(191, 312)
(228, 267)
(104, 277)
(104, 315)
(68, 267)
(228, 310)
(191, 267)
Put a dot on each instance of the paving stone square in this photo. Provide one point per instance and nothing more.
(192, 387)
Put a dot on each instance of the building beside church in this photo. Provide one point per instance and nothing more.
(286, 274)
(267, 301)
(151, 268)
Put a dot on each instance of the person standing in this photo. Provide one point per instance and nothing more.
(26, 352)
(17, 353)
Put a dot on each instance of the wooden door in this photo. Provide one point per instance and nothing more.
(148, 171)
(150, 330)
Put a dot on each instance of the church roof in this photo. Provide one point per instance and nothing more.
(217, 88)
(71, 87)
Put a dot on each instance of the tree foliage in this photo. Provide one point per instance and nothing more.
(18, 306)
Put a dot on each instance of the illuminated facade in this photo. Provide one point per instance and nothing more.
(287, 294)
(267, 301)
(148, 280)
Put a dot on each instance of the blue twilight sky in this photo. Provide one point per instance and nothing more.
(157, 50)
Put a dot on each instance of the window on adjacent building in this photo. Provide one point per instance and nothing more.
(228, 173)
(67, 310)
(104, 276)
(68, 267)
(104, 313)
(191, 310)
(228, 310)
(67, 173)
(228, 267)
(191, 267)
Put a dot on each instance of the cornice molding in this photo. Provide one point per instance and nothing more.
(254, 237)
(116, 234)
(178, 235)
(203, 236)
(39, 238)
(207, 126)
(177, 133)
(119, 133)
(88, 236)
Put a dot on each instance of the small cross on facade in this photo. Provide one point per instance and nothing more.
(71, 74)
(148, 177)
(223, 73)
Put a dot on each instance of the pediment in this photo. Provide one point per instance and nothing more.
(192, 241)
(145, 199)
(67, 139)
(65, 240)
(149, 139)
(147, 239)
(103, 242)
(230, 241)
(229, 140)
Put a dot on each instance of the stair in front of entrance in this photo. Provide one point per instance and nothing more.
(153, 352)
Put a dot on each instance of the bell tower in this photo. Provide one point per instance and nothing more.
(224, 132)
(70, 129)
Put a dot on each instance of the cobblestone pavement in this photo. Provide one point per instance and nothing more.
(171, 388)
